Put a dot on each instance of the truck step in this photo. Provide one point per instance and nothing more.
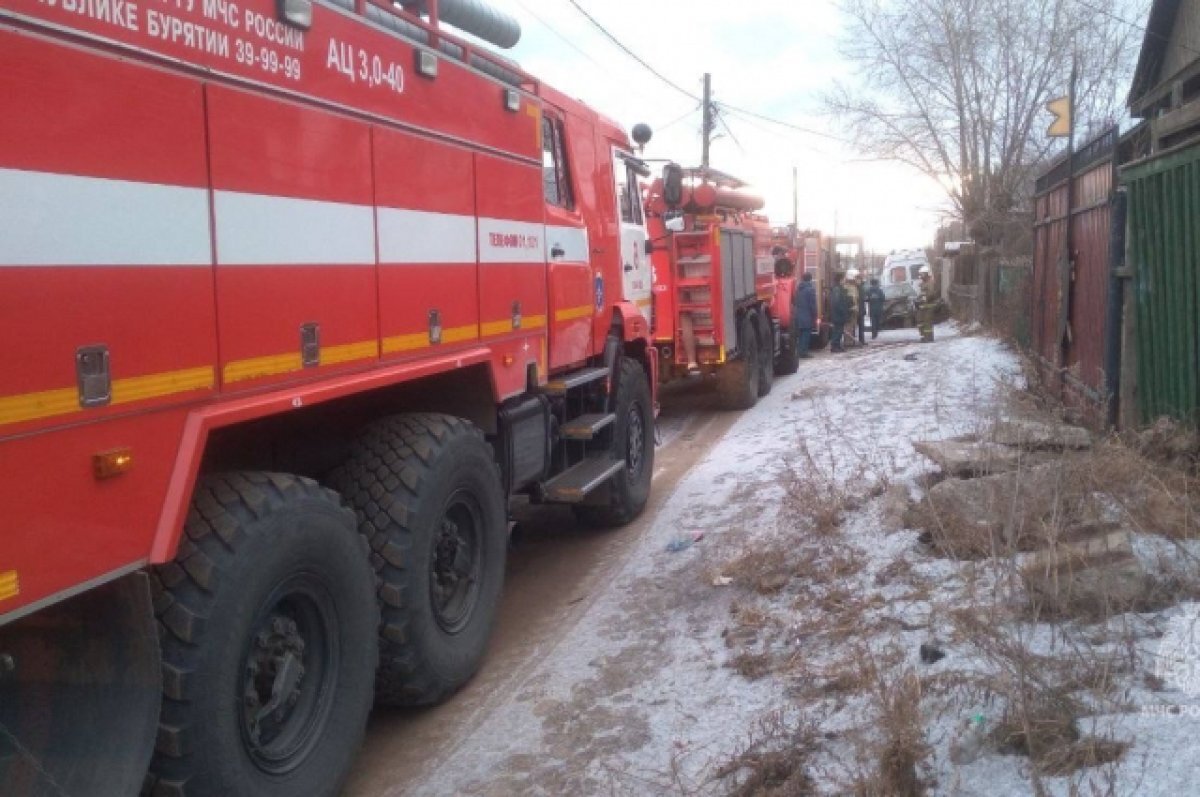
(586, 427)
(693, 282)
(696, 260)
(574, 484)
(561, 385)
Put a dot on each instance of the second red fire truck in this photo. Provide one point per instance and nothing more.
(720, 308)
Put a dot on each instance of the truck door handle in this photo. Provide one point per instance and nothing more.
(557, 251)
(628, 267)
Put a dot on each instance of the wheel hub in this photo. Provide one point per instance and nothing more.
(455, 566)
(288, 670)
(636, 435)
(274, 675)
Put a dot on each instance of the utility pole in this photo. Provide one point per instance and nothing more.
(796, 197)
(709, 123)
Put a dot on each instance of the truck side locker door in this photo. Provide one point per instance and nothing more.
(636, 278)
(295, 232)
(512, 268)
(573, 299)
(428, 271)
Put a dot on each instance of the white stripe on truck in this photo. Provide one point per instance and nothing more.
(66, 220)
(261, 230)
(417, 236)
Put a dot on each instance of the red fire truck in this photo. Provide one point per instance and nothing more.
(720, 308)
(295, 294)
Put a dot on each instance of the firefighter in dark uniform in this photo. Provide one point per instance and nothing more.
(926, 303)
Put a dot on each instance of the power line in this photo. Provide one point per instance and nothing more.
(630, 52)
(563, 38)
(798, 128)
(676, 121)
(677, 87)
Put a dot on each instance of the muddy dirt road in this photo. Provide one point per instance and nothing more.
(555, 571)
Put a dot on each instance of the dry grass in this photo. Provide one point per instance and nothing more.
(1041, 695)
(774, 761)
(891, 749)
(807, 584)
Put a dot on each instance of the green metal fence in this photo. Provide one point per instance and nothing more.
(1164, 252)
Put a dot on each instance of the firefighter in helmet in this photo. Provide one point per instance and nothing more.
(854, 293)
(926, 302)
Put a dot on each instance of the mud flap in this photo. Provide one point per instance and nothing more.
(80, 686)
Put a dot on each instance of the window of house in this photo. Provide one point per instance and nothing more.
(556, 180)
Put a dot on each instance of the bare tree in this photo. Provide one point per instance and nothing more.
(958, 88)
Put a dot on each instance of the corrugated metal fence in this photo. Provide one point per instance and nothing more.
(1164, 248)
(1070, 312)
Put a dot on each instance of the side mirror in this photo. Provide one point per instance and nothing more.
(674, 222)
(673, 185)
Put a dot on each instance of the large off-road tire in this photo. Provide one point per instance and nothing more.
(788, 361)
(633, 444)
(269, 598)
(737, 381)
(427, 493)
(766, 353)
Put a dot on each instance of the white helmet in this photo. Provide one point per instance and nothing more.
(852, 274)
(925, 270)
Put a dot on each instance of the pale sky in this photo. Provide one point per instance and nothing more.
(773, 57)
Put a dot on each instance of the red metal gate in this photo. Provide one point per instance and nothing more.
(1070, 293)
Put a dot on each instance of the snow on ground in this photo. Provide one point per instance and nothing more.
(657, 685)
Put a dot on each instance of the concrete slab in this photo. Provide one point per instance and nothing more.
(1035, 435)
(967, 459)
(1092, 577)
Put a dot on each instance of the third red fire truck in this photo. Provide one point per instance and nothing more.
(294, 295)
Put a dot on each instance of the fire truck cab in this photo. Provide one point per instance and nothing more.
(297, 295)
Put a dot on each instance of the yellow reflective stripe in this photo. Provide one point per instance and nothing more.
(276, 364)
(10, 585)
(349, 352)
(493, 328)
(459, 334)
(395, 343)
(65, 401)
(420, 340)
(571, 313)
(141, 388)
(32, 406)
(255, 367)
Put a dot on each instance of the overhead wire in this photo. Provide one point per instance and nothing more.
(677, 120)
(762, 117)
(631, 53)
